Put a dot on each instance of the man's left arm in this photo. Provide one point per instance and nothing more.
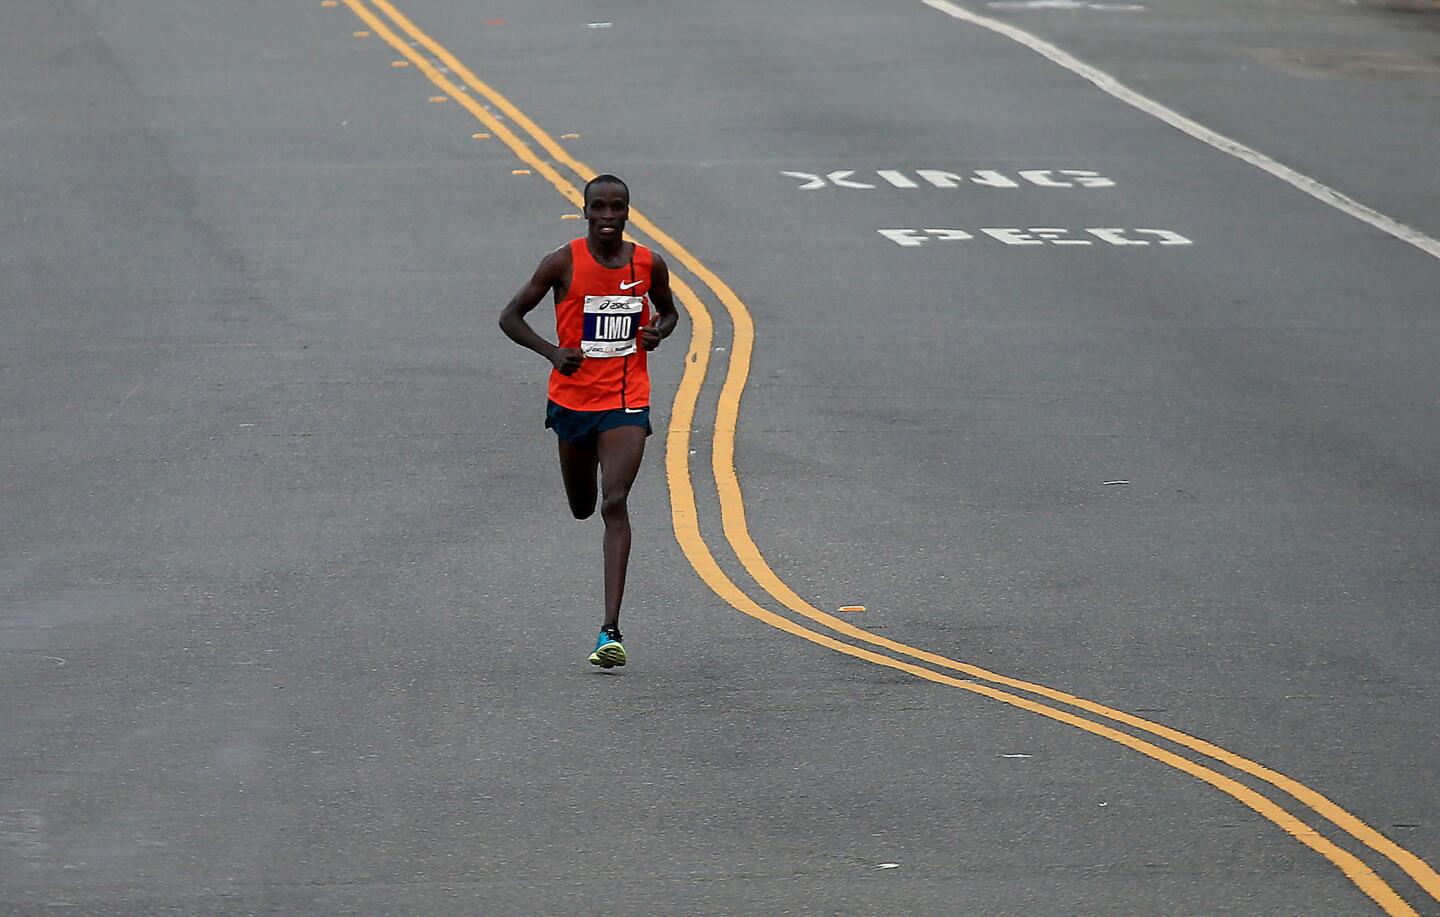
(666, 318)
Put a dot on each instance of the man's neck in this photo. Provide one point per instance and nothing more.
(606, 249)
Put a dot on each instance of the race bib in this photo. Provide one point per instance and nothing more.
(611, 325)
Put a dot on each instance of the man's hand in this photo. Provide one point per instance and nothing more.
(566, 360)
(650, 337)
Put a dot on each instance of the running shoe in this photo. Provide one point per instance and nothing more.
(609, 651)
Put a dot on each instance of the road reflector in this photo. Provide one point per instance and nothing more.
(479, 136)
(439, 98)
(519, 171)
(852, 607)
(569, 136)
(361, 34)
(569, 216)
(329, 2)
(399, 63)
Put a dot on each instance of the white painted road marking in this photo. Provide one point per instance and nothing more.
(1064, 5)
(1084, 178)
(839, 178)
(896, 178)
(1037, 235)
(940, 178)
(913, 238)
(1105, 81)
(949, 235)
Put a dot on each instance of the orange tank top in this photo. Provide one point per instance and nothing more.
(602, 314)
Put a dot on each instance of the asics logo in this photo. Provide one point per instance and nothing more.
(631, 284)
(595, 304)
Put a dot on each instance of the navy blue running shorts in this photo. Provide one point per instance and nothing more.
(582, 428)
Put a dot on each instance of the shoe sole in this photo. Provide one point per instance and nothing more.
(608, 656)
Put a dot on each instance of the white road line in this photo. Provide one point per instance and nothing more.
(1105, 81)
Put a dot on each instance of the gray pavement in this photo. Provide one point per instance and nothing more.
(292, 619)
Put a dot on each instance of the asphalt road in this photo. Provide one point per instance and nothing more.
(293, 619)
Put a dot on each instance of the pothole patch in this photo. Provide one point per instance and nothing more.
(1404, 6)
(1328, 62)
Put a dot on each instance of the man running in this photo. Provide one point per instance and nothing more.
(600, 389)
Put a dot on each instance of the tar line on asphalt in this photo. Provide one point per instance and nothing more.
(686, 519)
(1316, 189)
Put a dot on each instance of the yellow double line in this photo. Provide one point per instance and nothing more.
(687, 528)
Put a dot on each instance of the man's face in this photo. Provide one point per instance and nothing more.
(607, 208)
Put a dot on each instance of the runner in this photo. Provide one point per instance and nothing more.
(600, 389)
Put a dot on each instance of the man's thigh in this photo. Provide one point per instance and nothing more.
(620, 450)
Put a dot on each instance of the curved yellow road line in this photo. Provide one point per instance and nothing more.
(686, 520)
(687, 531)
(737, 532)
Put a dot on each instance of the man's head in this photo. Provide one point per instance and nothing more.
(607, 206)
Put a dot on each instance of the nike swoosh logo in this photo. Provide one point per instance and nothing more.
(633, 410)
(633, 283)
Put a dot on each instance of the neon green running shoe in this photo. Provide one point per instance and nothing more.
(609, 651)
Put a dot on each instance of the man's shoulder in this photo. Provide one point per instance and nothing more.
(656, 261)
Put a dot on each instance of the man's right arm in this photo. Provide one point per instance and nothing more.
(550, 275)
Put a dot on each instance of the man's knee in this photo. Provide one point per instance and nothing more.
(614, 505)
(581, 499)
